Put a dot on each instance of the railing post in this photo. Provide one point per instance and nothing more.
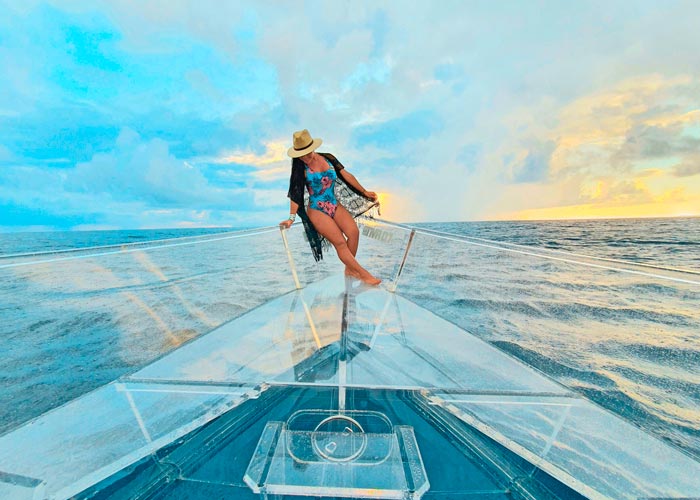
(394, 284)
(289, 257)
(343, 355)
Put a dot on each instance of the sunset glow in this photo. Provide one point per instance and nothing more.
(133, 115)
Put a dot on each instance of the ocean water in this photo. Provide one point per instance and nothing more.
(606, 307)
(669, 242)
(53, 241)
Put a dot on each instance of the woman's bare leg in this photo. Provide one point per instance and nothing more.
(328, 228)
(348, 226)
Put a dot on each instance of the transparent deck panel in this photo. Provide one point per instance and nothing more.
(391, 343)
(595, 452)
(335, 332)
(355, 454)
(85, 441)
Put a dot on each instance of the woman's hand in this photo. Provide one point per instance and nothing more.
(371, 195)
(286, 223)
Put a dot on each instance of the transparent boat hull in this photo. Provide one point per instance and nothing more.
(336, 389)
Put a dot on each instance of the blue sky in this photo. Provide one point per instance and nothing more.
(126, 114)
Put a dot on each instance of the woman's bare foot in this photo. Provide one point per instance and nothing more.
(370, 280)
(365, 278)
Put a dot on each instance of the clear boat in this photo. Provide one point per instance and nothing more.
(246, 374)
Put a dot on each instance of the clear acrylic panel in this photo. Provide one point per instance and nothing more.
(309, 456)
(293, 338)
(388, 342)
(595, 452)
(622, 334)
(78, 444)
(75, 320)
(401, 345)
(382, 248)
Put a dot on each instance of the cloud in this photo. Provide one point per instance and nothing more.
(464, 112)
(272, 165)
(643, 141)
(275, 152)
(145, 171)
(673, 117)
(615, 127)
(74, 79)
(605, 198)
(688, 168)
(136, 184)
(616, 192)
(650, 172)
(610, 148)
(675, 195)
(534, 166)
(418, 126)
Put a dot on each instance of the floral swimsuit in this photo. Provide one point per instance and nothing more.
(321, 193)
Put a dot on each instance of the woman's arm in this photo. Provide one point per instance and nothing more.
(350, 179)
(293, 207)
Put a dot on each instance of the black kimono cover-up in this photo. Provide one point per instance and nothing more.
(352, 199)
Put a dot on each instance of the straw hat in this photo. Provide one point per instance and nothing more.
(303, 144)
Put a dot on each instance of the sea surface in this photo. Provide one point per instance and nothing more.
(609, 308)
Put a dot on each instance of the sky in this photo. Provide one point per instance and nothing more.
(128, 114)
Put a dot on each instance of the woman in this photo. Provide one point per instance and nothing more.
(319, 173)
